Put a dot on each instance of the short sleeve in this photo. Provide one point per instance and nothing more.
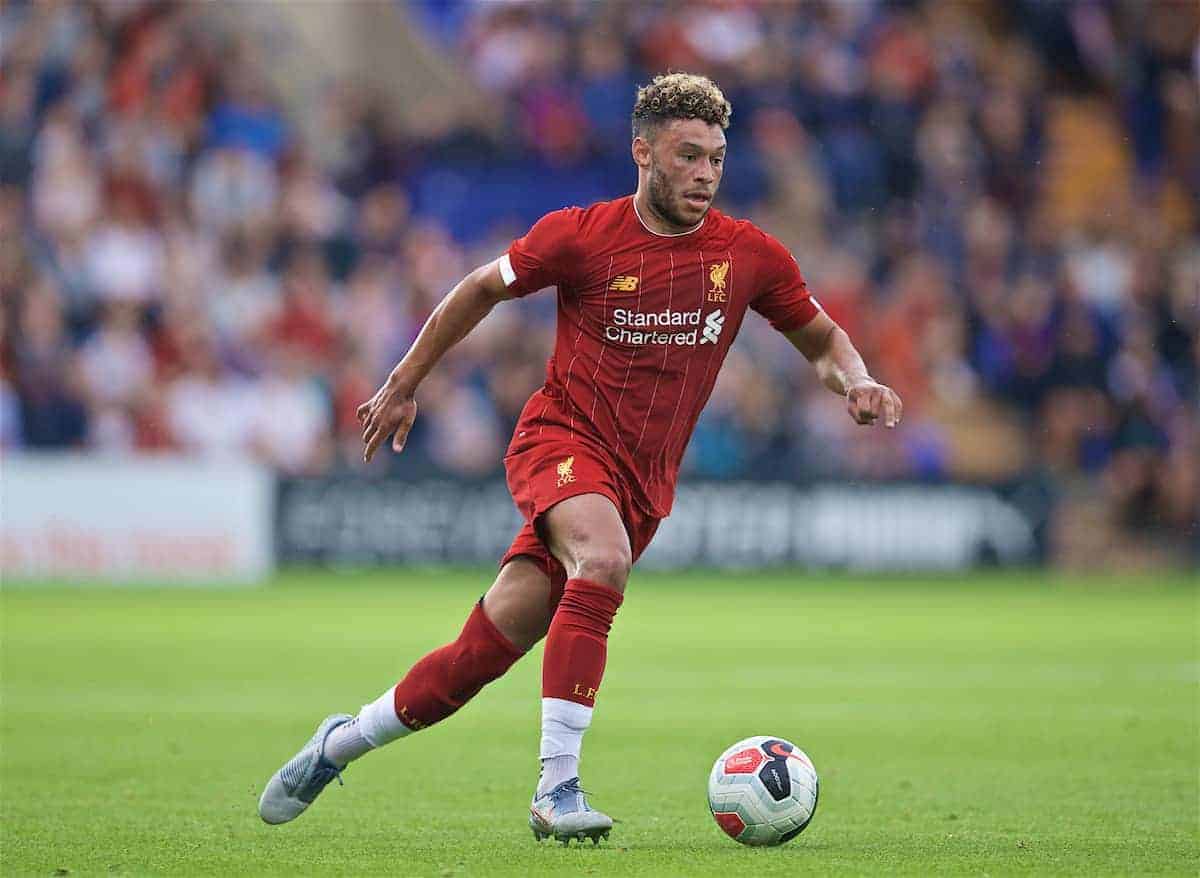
(783, 296)
(545, 256)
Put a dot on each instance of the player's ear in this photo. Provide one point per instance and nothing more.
(641, 152)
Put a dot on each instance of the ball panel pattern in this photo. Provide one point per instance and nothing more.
(763, 791)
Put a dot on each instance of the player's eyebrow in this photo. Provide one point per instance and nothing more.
(687, 144)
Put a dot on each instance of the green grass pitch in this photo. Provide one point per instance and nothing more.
(987, 725)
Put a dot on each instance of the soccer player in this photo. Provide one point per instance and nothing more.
(652, 289)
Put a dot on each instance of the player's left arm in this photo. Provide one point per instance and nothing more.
(840, 368)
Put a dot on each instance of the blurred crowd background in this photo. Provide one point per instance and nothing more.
(1000, 201)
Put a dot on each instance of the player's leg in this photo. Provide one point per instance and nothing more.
(500, 629)
(450, 676)
(586, 534)
(519, 602)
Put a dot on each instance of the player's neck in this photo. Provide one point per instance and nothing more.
(655, 223)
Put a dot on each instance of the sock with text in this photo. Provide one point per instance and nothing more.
(573, 665)
(433, 689)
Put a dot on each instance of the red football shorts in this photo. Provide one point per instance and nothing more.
(548, 472)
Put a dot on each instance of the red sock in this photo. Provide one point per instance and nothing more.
(577, 644)
(448, 678)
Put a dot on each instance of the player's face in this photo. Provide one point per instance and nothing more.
(686, 161)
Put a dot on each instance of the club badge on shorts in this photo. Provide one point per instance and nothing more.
(565, 474)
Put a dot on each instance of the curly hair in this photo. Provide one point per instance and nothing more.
(678, 96)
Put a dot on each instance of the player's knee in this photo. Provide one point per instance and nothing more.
(608, 567)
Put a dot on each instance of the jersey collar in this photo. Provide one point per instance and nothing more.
(637, 213)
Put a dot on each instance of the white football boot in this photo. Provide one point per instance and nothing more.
(294, 787)
(563, 812)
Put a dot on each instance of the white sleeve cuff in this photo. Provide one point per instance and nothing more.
(506, 271)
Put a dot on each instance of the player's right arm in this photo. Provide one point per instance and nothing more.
(393, 408)
(546, 256)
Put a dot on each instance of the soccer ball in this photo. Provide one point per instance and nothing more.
(763, 791)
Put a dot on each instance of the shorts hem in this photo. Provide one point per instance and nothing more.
(579, 491)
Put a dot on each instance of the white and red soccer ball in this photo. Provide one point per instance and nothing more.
(763, 791)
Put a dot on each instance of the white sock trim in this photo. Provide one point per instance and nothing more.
(563, 725)
(556, 770)
(346, 743)
(379, 722)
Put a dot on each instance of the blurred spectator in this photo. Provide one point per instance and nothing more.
(123, 256)
(234, 188)
(52, 412)
(305, 320)
(289, 424)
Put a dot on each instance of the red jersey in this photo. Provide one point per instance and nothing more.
(644, 323)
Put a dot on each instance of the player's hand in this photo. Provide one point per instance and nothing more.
(868, 402)
(390, 412)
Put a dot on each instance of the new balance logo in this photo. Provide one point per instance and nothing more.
(624, 283)
(712, 327)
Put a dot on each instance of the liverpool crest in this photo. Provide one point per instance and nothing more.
(717, 275)
(565, 475)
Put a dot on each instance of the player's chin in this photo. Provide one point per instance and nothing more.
(694, 208)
